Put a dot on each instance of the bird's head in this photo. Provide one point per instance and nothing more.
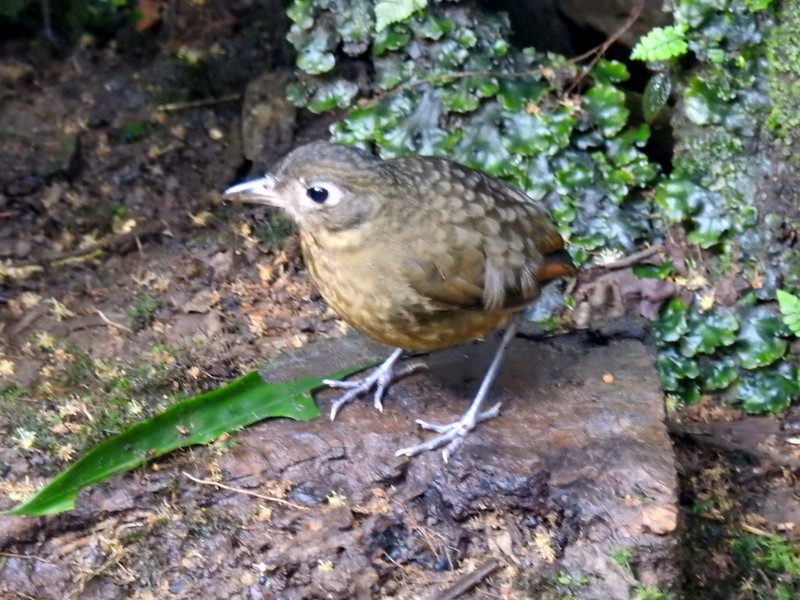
(322, 185)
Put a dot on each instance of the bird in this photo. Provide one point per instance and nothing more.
(419, 253)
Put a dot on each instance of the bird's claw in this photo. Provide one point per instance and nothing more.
(450, 435)
(380, 379)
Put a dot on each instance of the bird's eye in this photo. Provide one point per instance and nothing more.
(317, 193)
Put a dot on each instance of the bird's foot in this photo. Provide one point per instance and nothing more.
(379, 378)
(450, 435)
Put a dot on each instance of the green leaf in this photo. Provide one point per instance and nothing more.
(661, 271)
(790, 308)
(432, 27)
(717, 373)
(661, 43)
(297, 93)
(708, 332)
(353, 22)
(301, 12)
(606, 105)
(459, 97)
(768, 390)
(656, 95)
(515, 94)
(710, 222)
(610, 71)
(672, 324)
(337, 94)
(314, 55)
(688, 392)
(195, 421)
(758, 343)
(391, 72)
(391, 38)
(673, 196)
(757, 5)
(393, 11)
(674, 369)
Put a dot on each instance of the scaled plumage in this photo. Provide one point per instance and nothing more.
(419, 253)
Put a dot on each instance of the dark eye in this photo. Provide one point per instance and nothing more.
(317, 194)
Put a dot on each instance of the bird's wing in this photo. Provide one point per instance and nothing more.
(496, 245)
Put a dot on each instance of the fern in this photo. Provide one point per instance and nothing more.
(661, 43)
(790, 307)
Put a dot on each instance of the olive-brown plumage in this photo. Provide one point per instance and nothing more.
(419, 253)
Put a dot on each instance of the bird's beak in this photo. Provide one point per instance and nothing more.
(258, 191)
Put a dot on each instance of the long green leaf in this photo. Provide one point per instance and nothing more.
(197, 420)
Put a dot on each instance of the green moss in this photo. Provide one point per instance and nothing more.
(719, 164)
(10, 394)
(559, 586)
(648, 592)
(142, 312)
(769, 566)
(784, 69)
(623, 557)
(274, 230)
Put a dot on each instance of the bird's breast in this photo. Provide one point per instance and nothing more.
(365, 285)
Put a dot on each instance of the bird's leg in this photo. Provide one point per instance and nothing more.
(451, 435)
(380, 378)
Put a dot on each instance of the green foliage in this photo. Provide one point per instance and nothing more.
(661, 43)
(142, 312)
(130, 132)
(757, 5)
(274, 230)
(774, 562)
(447, 83)
(738, 351)
(784, 71)
(72, 18)
(623, 557)
(194, 421)
(648, 592)
(759, 343)
(790, 308)
(393, 11)
(656, 95)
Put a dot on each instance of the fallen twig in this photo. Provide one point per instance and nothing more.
(759, 532)
(633, 259)
(25, 557)
(175, 106)
(105, 244)
(469, 581)
(111, 323)
(229, 488)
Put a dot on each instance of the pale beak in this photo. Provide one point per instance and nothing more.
(258, 191)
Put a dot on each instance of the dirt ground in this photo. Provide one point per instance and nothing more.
(127, 283)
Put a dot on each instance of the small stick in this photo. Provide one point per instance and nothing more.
(175, 106)
(466, 583)
(105, 244)
(111, 323)
(25, 556)
(600, 50)
(633, 259)
(222, 486)
(758, 531)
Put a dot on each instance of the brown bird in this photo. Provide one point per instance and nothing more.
(419, 253)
